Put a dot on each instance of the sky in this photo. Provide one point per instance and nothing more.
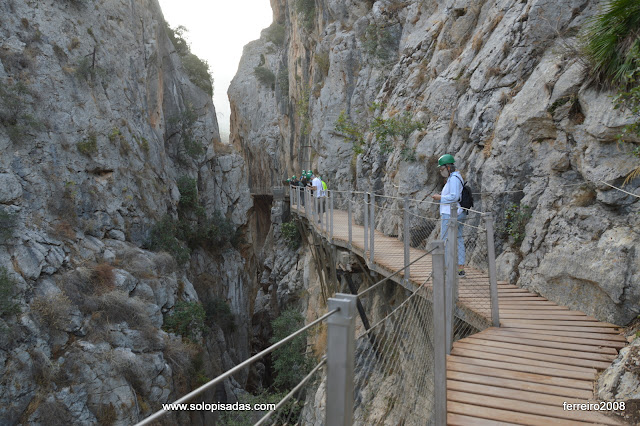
(218, 30)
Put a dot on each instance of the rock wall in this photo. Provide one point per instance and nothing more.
(498, 84)
(97, 124)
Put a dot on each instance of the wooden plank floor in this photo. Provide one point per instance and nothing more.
(542, 356)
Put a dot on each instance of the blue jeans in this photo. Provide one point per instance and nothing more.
(444, 225)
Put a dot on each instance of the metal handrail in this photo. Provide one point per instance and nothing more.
(235, 369)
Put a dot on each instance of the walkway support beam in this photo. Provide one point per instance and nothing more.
(350, 214)
(340, 360)
(451, 248)
(439, 333)
(372, 226)
(493, 279)
(406, 234)
(365, 209)
(331, 213)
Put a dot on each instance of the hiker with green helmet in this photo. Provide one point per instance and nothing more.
(318, 192)
(452, 192)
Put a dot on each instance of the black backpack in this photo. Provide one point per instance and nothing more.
(466, 198)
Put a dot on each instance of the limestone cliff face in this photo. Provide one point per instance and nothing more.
(497, 84)
(97, 124)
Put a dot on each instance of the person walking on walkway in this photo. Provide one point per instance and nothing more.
(318, 192)
(452, 192)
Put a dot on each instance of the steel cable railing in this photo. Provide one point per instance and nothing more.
(394, 367)
(237, 368)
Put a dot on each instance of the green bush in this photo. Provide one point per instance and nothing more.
(164, 238)
(283, 82)
(187, 320)
(215, 232)
(188, 193)
(8, 223)
(265, 76)
(307, 8)
(182, 126)
(197, 69)
(276, 34)
(8, 304)
(612, 47)
(87, 70)
(291, 234)
(89, 145)
(198, 72)
(351, 131)
(290, 361)
(516, 217)
(408, 154)
(393, 127)
(612, 44)
(14, 102)
(218, 312)
(377, 42)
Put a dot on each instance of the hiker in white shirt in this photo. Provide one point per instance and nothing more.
(452, 192)
(318, 191)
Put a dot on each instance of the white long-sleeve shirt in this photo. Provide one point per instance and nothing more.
(317, 184)
(451, 192)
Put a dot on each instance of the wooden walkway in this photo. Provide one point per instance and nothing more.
(542, 356)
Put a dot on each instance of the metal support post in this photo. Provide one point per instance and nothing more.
(493, 279)
(340, 360)
(452, 273)
(315, 209)
(407, 241)
(331, 213)
(372, 221)
(439, 333)
(297, 190)
(365, 209)
(349, 220)
(320, 211)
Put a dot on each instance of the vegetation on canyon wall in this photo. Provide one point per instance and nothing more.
(612, 48)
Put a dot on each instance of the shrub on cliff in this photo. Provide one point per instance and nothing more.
(276, 34)
(196, 68)
(265, 76)
(612, 48)
(164, 238)
(291, 234)
(306, 8)
(290, 361)
(187, 320)
(612, 42)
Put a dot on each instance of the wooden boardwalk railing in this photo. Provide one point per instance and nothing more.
(542, 356)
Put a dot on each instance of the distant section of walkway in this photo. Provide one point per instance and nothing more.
(542, 356)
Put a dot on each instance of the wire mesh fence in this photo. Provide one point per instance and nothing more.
(301, 405)
(473, 288)
(394, 368)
